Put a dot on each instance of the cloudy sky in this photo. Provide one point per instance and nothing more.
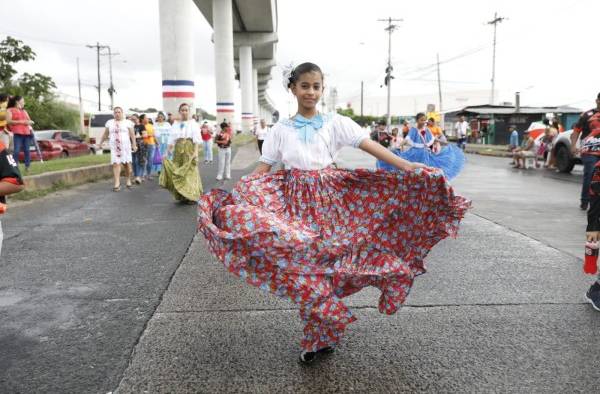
(547, 50)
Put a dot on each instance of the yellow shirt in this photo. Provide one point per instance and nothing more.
(435, 130)
(3, 115)
(149, 139)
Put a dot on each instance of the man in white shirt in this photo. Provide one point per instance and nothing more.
(260, 132)
(461, 129)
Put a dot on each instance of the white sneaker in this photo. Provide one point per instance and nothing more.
(227, 177)
(219, 178)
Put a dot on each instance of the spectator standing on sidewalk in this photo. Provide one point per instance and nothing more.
(223, 141)
(119, 133)
(207, 139)
(10, 181)
(588, 126)
(513, 142)
(261, 132)
(461, 129)
(4, 133)
(19, 123)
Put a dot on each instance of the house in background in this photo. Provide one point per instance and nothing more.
(492, 121)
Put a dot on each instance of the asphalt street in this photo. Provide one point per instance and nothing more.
(105, 291)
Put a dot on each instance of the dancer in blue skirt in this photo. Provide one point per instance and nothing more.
(425, 148)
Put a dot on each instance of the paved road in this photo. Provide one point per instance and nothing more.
(501, 308)
(81, 273)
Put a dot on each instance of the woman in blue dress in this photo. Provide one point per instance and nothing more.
(425, 148)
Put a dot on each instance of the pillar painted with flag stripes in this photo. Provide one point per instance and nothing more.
(177, 53)
(246, 82)
(224, 69)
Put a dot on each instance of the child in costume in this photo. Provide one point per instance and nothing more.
(314, 233)
(427, 149)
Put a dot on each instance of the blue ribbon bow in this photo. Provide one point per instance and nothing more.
(307, 128)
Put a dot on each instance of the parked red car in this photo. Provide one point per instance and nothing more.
(49, 149)
(71, 143)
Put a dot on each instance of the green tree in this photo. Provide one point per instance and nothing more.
(12, 51)
(38, 90)
(37, 85)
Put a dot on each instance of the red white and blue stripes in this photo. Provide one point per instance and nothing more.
(178, 88)
(225, 108)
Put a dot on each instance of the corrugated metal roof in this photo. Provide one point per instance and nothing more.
(507, 110)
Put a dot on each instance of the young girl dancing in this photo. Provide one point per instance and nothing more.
(425, 148)
(315, 234)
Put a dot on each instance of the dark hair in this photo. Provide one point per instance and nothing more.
(161, 114)
(431, 119)
(117, 107)
(182, 105)
(419, 115)
(142, 117)
(382, 122)
(12, 102)
(598, 96)
(4, 97)
(224, 125)
(303, 69)
(546, 122)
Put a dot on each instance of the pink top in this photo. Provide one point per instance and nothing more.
(19, 114)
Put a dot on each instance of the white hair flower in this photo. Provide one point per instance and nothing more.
(287, 74)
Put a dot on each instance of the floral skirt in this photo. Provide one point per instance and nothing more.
(450, 159)
(181, 175)
(315, 237)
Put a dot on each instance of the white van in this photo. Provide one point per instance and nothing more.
(96, 128)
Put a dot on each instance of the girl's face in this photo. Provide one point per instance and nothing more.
(308, 90)
(421, 122)
(184, 112)
(160, 119)
(118, 113)
(21, 103)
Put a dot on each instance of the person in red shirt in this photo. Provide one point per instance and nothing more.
(588, 126)
(223, 141)
(207, 136)
(19, 123)
(10, 181)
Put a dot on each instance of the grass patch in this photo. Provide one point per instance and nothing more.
(242, 139)
(37, 167)
(26, 195)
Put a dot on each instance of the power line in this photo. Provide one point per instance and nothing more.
(28, 37)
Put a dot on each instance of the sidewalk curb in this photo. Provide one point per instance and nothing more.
(74, 176)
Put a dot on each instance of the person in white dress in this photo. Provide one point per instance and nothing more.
(119, 132)
(261, 131)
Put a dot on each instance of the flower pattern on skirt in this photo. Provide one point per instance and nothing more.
(316, 237)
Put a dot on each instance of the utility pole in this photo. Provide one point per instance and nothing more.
(440, 91)
(361, 97)
(98, 47)
(388, 71)
(494, 22)
(111, 88)
(80, 100)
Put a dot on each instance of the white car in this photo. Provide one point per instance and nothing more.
(565, 160)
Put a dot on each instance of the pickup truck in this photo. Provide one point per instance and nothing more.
(565, 160)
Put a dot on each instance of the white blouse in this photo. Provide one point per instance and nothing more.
(282, 143)
(187, 129)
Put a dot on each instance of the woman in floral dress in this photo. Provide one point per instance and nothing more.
(315, 234)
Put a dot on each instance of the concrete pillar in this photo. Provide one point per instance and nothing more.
(224, 71)
(255, 94)
(176, 53)
(246, 83)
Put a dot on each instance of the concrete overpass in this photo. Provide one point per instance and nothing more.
(245, 40)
